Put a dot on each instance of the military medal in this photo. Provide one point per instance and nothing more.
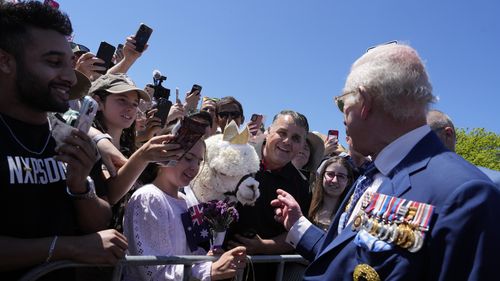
(396, 220)
(365, 272)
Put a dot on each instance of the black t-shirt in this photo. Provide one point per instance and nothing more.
(259, 219)
(33, 198)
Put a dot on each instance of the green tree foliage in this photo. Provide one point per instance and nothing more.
(480, 147)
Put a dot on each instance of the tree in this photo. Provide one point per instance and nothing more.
(480, 147)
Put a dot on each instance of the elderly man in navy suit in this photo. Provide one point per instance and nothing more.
(421, 212)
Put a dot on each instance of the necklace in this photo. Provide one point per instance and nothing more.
(21, 144)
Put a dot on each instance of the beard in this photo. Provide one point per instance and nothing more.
(35, 93)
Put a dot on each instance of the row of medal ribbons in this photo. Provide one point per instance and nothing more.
(395, 220)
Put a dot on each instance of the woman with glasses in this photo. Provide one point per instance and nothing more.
(334, 177)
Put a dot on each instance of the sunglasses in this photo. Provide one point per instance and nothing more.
(210, 99)
(78, 48)
(339, 100)
(226, 114)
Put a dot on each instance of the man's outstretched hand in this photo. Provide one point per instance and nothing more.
(287, 209)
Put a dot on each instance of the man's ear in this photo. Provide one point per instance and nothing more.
(449, 132)
(366, 102)
(7, 62)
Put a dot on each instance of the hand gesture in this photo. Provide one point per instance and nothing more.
(331, 145)
(191, 101)
(254, 245)
(228, 264)
(87, 64)
(80, 154)
(177, 111)
(104, 247)
(287, 209)
(160, 149)
(129, 52)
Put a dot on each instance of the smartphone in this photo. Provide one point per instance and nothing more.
(87, 113)
(142, 36)
(119, 49)
(333, 134)
(257, 120)
(196, 87)
(187, 132)
(105, 52)
(163, 105)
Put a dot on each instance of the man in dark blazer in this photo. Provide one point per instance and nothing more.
(426, 214)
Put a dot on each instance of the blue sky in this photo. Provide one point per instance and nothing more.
(276, 54)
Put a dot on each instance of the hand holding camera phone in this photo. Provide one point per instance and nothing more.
(255, 123)
(196, 87)
(87, 114)
(188, 131)
(105, 52)
(333, 134)
(142, 36)
(163, 108)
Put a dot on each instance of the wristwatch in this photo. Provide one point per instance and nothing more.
(89, 194)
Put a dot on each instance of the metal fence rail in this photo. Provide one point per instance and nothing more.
(187, 261)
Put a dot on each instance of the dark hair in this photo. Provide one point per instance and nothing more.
(229, 100)
(152, 169)
(298, 118)
(16, 19)
(127, 138)
(317, 190)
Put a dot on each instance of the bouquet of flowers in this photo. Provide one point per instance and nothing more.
(219, 215)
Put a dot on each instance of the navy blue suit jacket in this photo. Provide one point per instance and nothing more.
(463, 242)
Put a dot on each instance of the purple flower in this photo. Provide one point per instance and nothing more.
(220, 214)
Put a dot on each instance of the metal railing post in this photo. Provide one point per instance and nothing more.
(279, 272)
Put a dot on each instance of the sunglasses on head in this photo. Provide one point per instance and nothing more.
(383, 44)
(226, 114)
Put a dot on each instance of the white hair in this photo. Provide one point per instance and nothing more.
(396, 76)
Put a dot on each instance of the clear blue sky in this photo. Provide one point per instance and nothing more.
(290, 54)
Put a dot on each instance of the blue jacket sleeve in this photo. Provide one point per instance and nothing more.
(310, 243)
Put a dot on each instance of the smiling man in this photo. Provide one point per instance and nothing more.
(47, 200)
(257, 229)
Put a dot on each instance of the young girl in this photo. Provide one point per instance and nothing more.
(335, 176)
(118, 100)
(153, 225)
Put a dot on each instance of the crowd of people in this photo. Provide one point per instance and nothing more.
(397, 204)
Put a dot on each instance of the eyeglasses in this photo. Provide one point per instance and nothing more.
(339, 100)
(331, 174)
(383, 44)
(226, 114)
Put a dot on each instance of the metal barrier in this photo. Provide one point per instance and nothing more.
(187, 261)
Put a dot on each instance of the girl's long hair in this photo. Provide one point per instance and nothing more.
(127, 138)
(317, 197)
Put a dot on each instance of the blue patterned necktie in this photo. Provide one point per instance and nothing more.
(363, 182)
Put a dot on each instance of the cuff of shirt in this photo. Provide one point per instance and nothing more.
(297, 231)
